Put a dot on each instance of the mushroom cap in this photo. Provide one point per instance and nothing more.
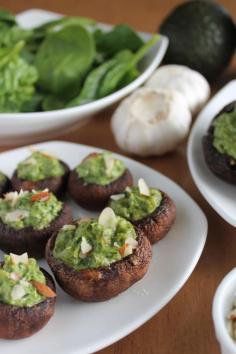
(100, 284)
(29, 240)
(20, 322)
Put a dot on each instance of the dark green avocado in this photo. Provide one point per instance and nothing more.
(202, 36)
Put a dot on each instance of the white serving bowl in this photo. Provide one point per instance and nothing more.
(22, 128)
(222, 305)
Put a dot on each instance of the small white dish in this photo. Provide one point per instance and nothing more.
(24, 128)
(219, 194)
(222, 305)
(79, 328)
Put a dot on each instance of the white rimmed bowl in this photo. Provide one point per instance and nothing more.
(23, 128)
(222, 305)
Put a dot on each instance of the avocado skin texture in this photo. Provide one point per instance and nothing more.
(202, 36)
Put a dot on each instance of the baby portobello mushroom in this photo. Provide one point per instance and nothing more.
(28, 219)
(151, 211)
(4, 184)
(101, 270)
(219, 144)
(98, 177)
(39, 171)
(27, 297)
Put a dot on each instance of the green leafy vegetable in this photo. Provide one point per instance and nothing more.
(94, 78)
(121, 37)
(52, 103)
(17, 80)
(65, 62)
(116, 74)
(64, 58)
(7, 17)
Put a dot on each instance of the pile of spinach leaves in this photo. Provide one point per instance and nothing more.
(65, 62)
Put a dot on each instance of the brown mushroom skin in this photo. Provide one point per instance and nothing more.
(100, 284)
(93, 196)
(20, 322)
(156, 225)
(29, 240)
(56, 185)
(4, 187)
(222, 165)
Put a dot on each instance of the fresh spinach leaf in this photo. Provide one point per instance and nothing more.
(52, 103)
(121, 37)
(7, 17)
(114, 76)
(91, 84)
(64, 58)
(17, 79)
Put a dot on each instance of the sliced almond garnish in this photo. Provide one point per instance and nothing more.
(107, 218)
(109, 163)
(117, 196)
(128, 247)
(43, 289)
(17, 292)
(16, 215)
(40, 196)
(16, 259)
(14, 276)
(143, 187)
(85, 246)
(68, 227)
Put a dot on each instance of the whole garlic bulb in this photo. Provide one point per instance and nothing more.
(151, 122)
(190, 83)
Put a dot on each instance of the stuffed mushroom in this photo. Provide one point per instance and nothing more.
(28, 219)
(150, 210)
(96, 178)
(95, 260)
(219, 144)
(39, 171)
(4, 184)
(27, 297)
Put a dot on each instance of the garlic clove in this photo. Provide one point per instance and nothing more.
(151, 122)
(190, 83)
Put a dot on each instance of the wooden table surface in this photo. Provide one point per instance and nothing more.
(185, 325)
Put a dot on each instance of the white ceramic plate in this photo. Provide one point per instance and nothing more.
(84, 328)
(31, 127)
(219, 194)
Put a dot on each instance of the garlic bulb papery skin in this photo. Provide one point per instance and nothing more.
(193, 86)
(151, 122)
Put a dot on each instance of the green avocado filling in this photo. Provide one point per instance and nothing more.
(29, 209)
(39, 166)
(91, 245)
(16, 282)
(100, 169)
(133, 205)
(2, 177)
(225, 134)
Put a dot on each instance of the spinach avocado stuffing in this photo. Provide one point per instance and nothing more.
(100, 169)
(225, 134)
(64, 63)
(29, 209)
(39, 166)
(17, 277)
(2, 177)
(133, 205)
(91, 245)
